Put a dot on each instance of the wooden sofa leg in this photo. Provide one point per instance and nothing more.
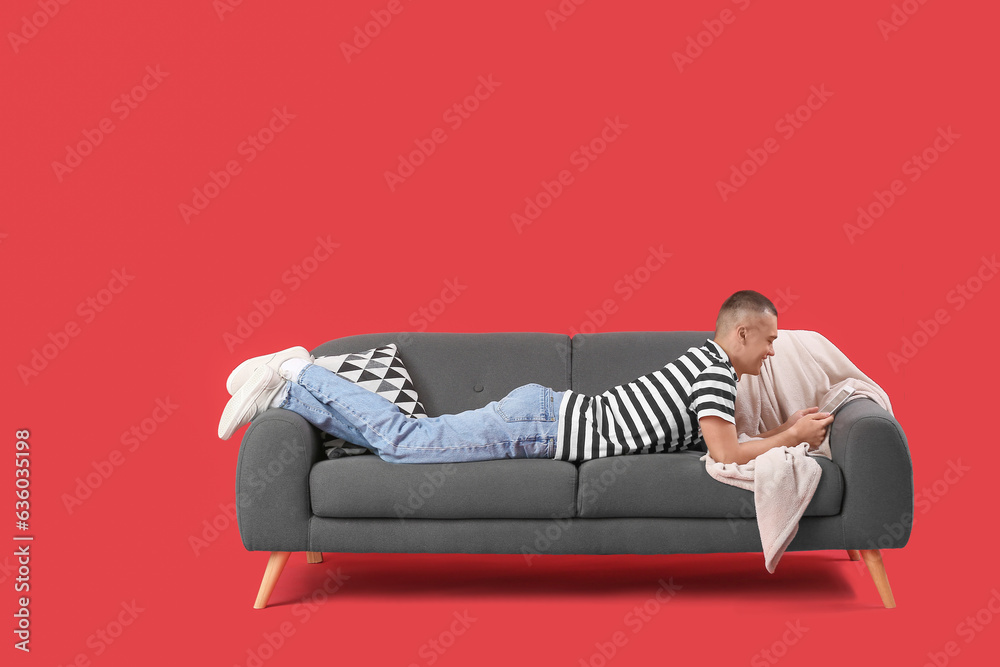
(275, 564)
(873, 559)
(314, 557)
(853, 554)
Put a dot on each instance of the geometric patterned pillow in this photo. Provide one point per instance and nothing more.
(379, 370)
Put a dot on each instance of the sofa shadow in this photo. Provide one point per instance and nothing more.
(799, 577)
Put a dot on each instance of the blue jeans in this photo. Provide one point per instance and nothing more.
(522, 424)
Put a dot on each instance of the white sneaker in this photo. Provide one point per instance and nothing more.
(251, 399)
(243, 372)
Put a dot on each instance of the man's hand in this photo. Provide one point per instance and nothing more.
(811, 426)
(790, 422)
(724, 446)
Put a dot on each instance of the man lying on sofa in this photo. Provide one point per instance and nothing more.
(669, 409)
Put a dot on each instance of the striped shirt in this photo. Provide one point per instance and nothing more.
(657, 412)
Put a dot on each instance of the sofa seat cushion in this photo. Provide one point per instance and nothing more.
(676, 484)
(367, 486)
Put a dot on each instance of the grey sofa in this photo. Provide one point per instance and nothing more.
(291, 497)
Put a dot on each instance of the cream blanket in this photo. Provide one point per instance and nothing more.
(806, 370)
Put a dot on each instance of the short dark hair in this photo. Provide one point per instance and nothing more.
(739, 306)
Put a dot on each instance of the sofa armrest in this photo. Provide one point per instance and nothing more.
(870, 447)
(273, 506)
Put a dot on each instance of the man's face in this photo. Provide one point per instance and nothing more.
(758, 343)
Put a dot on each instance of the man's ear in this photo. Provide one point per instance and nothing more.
(741, 334)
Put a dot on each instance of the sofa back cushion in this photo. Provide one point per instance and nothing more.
(453, 372)
(604, 360)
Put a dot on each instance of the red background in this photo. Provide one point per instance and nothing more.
(323, 175)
